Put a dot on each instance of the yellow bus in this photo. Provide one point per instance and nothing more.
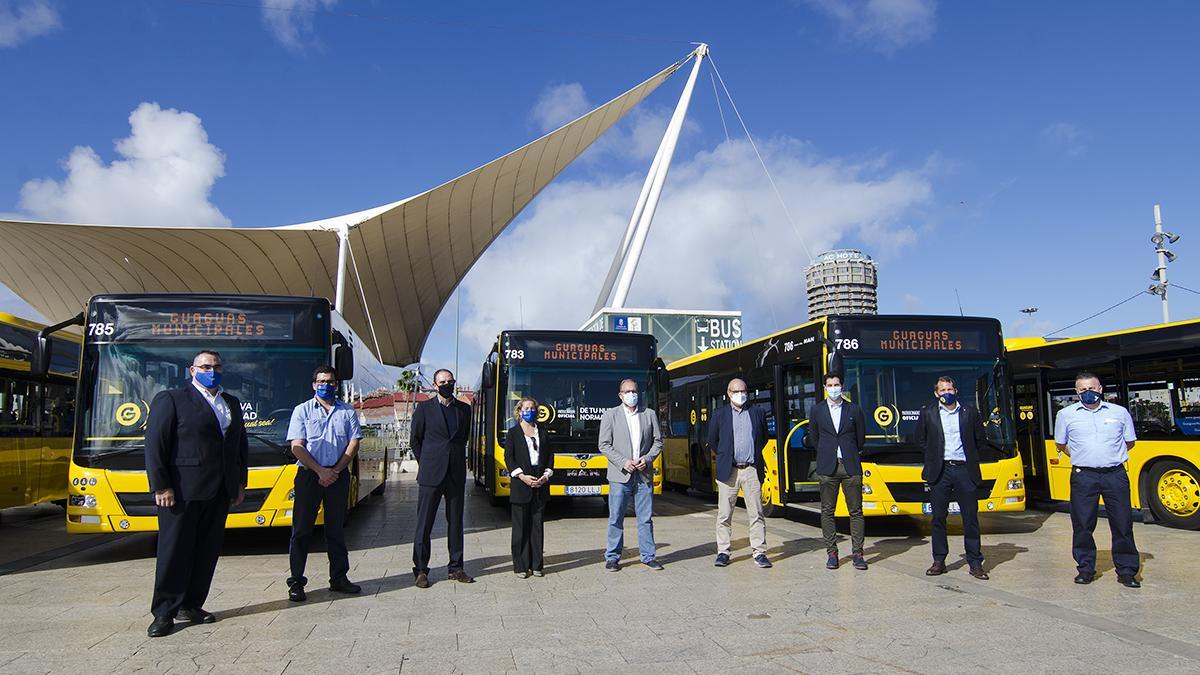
(575, 377)
(134, 346)
(890, 365)
(36, 416)
(1153, 371)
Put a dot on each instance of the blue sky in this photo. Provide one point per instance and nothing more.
(1011, 151)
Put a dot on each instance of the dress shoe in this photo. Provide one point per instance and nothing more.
(1085, 577)
(460, 576)
(344, 585)
(522, 575)
(859, 562)
(762, 561)
(978, 573)
(539, 573)
(1129, 582)
(722, 560)
(612, 566)
(938, 567)
(831, 563)
(422, 580)
(296, 593)
(160, 627)
(198, 615)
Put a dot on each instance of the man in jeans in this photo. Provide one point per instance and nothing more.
(631, 440)
(737, 434)
(837, 431)
(324, 433)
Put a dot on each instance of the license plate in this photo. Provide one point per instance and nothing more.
(582, 490)
(928, 508)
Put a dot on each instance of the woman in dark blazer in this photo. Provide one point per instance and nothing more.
(529, 459)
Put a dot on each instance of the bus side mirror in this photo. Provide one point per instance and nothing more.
(836, 364)
(343, 357)
(40, 362)
(661, 377)
(487, 379)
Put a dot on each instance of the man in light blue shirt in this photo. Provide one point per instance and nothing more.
(1097, 436)
(324, 433)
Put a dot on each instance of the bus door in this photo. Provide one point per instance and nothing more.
(698, 454)
(798, 396)
(1030, 434)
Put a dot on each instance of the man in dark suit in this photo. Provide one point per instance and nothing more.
(737, 434)
(838, 431)
(951, 434)
(196, 461)
(440, 427)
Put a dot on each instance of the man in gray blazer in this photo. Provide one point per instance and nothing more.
(631, 440)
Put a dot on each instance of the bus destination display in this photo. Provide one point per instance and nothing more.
(926, 339)
(143, 324)
(568, 351)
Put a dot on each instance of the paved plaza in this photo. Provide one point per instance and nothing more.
(81, 604)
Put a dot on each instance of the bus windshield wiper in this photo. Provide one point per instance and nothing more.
(266, 440)
(118, 452)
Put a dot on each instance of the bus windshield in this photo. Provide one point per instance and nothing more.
(893, 391)
(571, 400)
(121, 379)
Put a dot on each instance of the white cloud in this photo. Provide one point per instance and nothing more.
(912, 303)
(1028, 327)
(1066, 138)
(559, 104)
(720, 239)
(21, 21)
(883, 25)
(291, 21)
(164, 178)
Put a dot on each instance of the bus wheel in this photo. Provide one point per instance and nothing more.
(1174, 493)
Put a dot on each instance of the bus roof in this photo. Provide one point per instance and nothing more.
(1019, 343)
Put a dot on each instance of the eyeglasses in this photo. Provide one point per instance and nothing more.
(324, 381)
(207, 367)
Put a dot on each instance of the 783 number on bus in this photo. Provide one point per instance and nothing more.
(514, 354)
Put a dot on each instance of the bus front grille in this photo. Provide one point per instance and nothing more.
(916, 492)
(142, 503)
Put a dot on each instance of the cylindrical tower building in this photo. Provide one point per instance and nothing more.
(841, 281)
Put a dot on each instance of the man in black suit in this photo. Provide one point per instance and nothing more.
(838, 431)
(951, 433)
(196, 462)
(736, 436)
(440, 427)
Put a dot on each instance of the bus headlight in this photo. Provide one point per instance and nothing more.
(292, 495)
(867, 489)
(1015, 484)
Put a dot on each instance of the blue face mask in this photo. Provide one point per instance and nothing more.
(629, 398)
(1089, 397)
(209, 379)
(529, 415)
(948, 398)
(326, 391)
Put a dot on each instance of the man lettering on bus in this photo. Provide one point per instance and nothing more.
(951, 433)
(196, 454)
(324, 433)
(737, 435)
(837, 432)
(1097, 435)
(631, 440)
(440, 427)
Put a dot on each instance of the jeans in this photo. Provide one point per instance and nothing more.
(619, 494)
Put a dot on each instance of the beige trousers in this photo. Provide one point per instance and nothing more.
(727, 491)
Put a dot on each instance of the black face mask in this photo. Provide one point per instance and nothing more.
(446, 390)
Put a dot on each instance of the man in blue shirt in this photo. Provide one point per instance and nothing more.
(324, 433)
(1097, 436)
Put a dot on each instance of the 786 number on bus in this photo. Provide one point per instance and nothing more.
(846, 344)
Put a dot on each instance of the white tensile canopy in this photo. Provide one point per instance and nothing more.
(405, 258)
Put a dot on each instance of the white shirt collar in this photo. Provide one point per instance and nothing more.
(204, 390)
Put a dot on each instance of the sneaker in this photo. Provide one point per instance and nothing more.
(722, 560)
(612, 566)
(762, 561)
(1085, 577)
(831, 563)
(522, 575)
(653, 564)
(859, 562)
(296, 593)
(539, 573)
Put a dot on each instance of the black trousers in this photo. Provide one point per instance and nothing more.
(1087, 487)
(955, 482)
(310, 496)
(189, 542)
(428, 499)
(528, 534)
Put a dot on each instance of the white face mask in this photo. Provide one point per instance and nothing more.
(739, 399)
(629, 398)
(833, 392)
